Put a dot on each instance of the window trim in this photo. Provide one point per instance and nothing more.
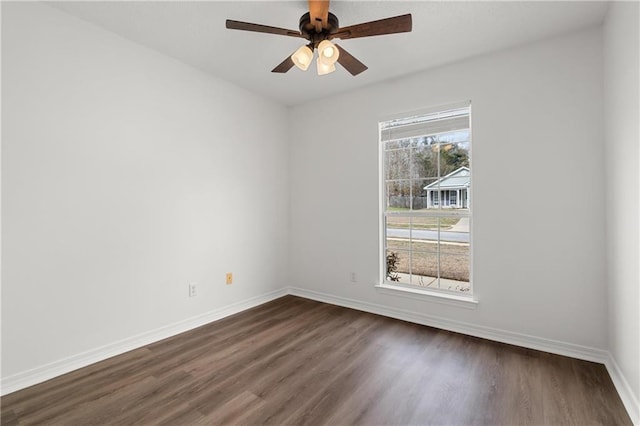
(446, 298)
(387, 287)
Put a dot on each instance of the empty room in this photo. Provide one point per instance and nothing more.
(320, 212)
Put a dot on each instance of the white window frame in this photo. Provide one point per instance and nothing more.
(456, 298)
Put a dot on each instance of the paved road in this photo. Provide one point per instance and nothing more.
(423, 234)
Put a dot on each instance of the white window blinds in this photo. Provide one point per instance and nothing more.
(426, 125)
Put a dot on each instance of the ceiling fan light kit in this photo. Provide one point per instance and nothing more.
(327, 56)
(319, 27)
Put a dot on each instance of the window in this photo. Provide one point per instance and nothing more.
(453, 198)
(426, 181)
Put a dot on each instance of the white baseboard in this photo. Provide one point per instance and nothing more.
(629, 400)
(40, 374)
(498, 335)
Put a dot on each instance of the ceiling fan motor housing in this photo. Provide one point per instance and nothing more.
(308, 28)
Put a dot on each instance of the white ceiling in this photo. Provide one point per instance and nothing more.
(443, 32)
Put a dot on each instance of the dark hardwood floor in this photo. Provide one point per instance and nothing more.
(296, 361)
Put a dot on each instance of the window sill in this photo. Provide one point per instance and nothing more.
(467, 302)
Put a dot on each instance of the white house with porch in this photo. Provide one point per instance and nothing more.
(450, 191)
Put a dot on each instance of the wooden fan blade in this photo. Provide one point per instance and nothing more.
(319, 11)
(258, 28)
(349, 62)
(397, 24)
(284, 66)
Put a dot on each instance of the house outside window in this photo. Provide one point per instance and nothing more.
(450, 189)
(426, 214)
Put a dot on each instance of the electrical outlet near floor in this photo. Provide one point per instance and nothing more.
(192, 290)
(229, 278)
(354, 277)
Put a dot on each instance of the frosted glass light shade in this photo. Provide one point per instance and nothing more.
(324, 68)
(328, 52)
(302, 57)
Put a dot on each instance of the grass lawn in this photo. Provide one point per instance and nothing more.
(419, 222)
(454, 258)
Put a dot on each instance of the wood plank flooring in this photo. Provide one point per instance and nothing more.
(296, 361)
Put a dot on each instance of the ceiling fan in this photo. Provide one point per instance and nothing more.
(319, 27)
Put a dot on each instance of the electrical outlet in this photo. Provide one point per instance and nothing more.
(354, 277)
(192, 290)
(229, 278)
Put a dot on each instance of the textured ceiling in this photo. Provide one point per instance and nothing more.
(443, 32)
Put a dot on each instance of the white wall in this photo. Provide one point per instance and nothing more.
(126, 175)
(539, 267)
(622, 138)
